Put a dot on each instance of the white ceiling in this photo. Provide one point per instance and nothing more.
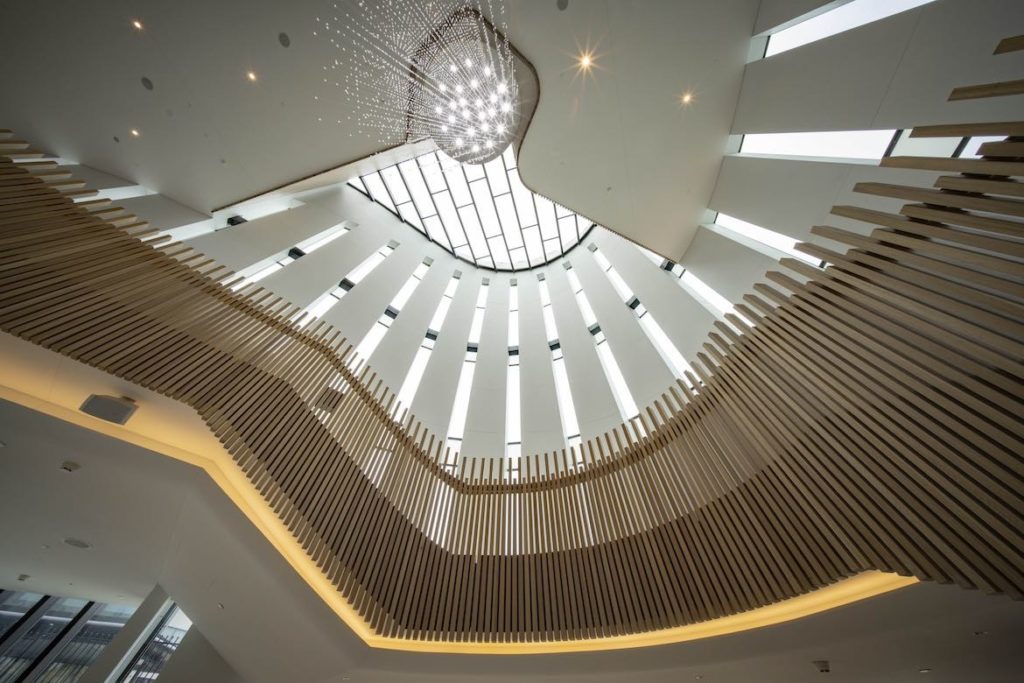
(153, 520)
(616, 147)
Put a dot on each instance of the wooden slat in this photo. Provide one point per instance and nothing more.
(998, 89)
(961, 130)
(1011, 44)
(1002, 149)
(978, 166)
(868, 418)
(1006, 188)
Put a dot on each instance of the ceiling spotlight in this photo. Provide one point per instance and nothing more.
(437, 110)
(453, 68)
(487, 71)
(686, 97)
(251, 75)
(135, 132)
(442, 87)
(476, 148)
(136, 24)
(505, 106)
(925, 670)
(458, 88)
(586, 61)
(474, 83)
(459, 142)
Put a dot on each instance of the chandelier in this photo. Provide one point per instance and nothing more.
(438, 69)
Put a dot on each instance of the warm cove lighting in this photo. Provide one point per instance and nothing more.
(153, 435)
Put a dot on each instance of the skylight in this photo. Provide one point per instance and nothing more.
(482, 214)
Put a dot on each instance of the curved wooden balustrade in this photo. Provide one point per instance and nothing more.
(867, 416)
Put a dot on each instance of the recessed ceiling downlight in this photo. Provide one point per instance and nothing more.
(283, 38)
(146, 83)
(77, 543)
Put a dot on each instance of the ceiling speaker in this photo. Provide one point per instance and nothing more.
(116, 409)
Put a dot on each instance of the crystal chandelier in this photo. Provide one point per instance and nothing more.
(438, 69)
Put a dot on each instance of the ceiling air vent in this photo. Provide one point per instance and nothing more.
(116, 409)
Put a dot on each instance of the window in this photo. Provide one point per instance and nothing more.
(839, 144)
(480, 213)
(756, 237)
(162, 642)
(327, 300)
(56, 639)
(843, 18)
(563, 392)
(258, 271)
(659, 340)
(620, 390)
(513, 416)
(376, 334)
(460, 408)
(414, 376)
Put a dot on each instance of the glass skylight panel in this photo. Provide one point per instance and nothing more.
(775, 240)
(843, 18)
(833, 144)
(482, 214)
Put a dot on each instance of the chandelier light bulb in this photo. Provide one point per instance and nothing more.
(474, 83)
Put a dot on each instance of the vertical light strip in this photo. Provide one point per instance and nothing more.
(376, 333)
(460, 409)
(327, 300)
(407, 394)
(744, 232)
(655, 334)
(620, 390)
(563, 392)
(513, 416)
(262, 269)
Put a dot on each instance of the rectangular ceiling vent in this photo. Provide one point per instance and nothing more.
(116, 409)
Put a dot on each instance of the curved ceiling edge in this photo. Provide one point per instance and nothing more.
(229, 478)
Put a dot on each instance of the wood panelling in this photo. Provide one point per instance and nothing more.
(865, 416)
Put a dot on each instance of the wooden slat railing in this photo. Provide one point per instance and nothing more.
(867, 416)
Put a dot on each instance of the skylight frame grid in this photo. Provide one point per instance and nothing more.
(489, 229)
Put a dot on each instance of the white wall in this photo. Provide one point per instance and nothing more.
(893, 73)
